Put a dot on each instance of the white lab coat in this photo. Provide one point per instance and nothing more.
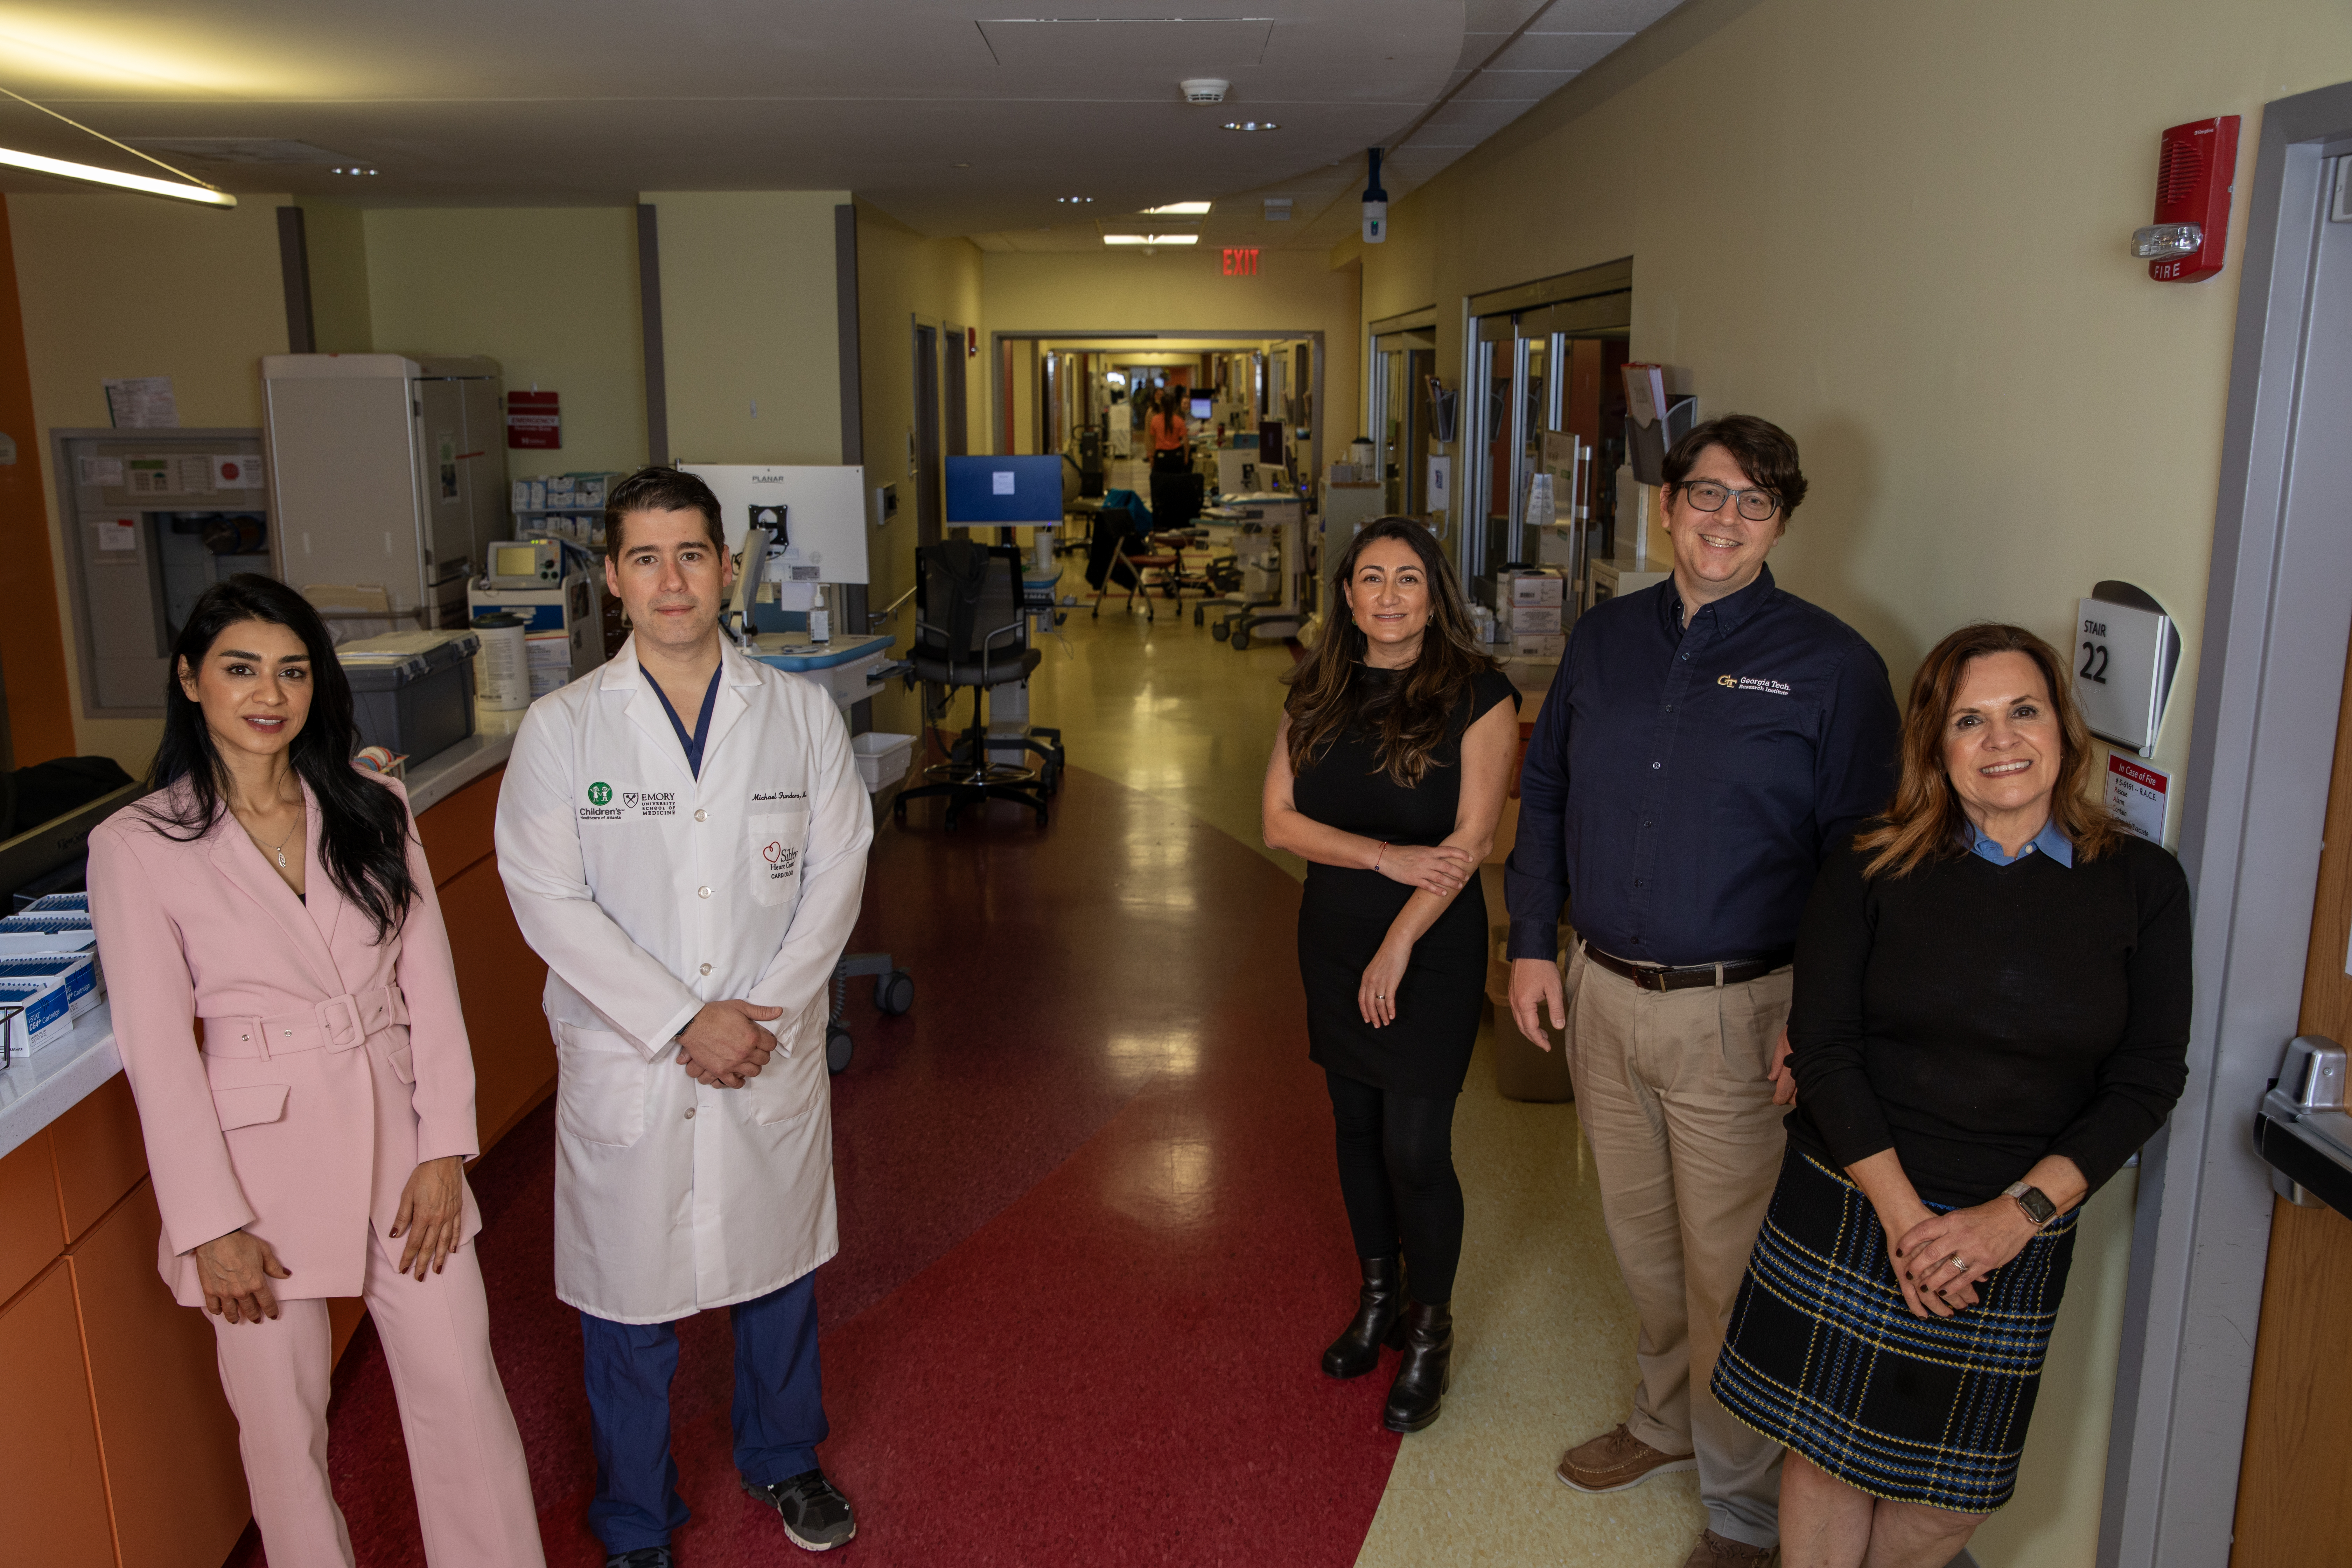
(649, 892)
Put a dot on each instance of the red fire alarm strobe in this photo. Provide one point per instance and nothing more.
(2195, 172)
(534, 420)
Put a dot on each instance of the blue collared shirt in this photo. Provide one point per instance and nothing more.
(1684, 783)
(2048, 841)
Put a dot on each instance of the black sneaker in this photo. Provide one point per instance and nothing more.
(815, 1515)
(643, 1557)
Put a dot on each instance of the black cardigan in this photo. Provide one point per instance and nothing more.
(1975, 1017)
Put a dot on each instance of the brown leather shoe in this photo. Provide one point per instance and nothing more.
(1616, 1460)
(1713, 1551)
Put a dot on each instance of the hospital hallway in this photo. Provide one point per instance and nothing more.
(1092, 1243)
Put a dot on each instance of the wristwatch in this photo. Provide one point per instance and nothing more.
(2038, 1209)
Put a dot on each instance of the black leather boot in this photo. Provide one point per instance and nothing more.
(1379, 1320)
(1419, 1387)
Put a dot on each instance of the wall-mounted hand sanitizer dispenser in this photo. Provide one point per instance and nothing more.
(2126, 653)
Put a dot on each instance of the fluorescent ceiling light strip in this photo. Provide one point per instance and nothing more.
(1178, 209)
(96, 175)
(1151, 239)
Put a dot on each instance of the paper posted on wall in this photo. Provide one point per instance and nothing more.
(2138, 794)
(142, 403)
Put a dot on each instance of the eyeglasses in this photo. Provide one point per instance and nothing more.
(1756, 506)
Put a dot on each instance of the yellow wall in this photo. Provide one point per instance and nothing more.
(335, 238)
(1186, 291)
(902, 277)
(549, 292)
(748, 313)
(1901, 231)
(122, 286)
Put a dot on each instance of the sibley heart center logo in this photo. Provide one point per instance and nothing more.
(774, 852)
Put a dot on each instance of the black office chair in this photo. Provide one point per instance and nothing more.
(971, 630)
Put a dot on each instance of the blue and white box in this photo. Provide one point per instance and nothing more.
(34, 1014)
(77, 971)
(59, 903)
(54, 931)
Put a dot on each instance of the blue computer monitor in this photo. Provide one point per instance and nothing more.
(1008, 490)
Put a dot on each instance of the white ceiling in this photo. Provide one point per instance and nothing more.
(954, 116)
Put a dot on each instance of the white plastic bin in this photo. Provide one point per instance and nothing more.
(882, 759)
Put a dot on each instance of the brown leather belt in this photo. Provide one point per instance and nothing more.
(1684, 977)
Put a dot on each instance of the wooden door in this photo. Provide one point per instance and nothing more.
(2295, 1482)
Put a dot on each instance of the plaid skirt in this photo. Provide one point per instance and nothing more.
(1823, 1357)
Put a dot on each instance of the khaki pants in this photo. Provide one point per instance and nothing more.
(1672, 1091)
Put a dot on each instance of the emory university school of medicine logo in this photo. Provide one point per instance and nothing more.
(600, 793)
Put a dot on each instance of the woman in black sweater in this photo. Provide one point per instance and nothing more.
(1991, 1013)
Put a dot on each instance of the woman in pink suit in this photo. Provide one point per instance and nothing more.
(288, 1016)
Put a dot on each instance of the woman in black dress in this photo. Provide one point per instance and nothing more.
(1388, 776)
(1991, 1013)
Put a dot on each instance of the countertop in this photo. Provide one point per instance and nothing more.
(36, 1089)
(439, 777)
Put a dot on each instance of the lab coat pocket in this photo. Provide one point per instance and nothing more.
(250, 1106)
(787, 1088)
(776, 841)
(600, 1088)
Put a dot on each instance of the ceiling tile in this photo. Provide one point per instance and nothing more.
(1558, 51)
(1526, 86)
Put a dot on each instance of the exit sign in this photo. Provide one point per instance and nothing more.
(1241, 263)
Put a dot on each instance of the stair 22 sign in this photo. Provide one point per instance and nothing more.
(2125, 652)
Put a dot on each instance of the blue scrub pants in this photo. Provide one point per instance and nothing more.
(779, 1410)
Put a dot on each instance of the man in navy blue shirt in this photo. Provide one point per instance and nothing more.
(1704, 744)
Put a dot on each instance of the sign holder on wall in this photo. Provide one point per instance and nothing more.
(2126, 651)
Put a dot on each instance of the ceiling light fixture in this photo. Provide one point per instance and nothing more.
(352, 169)
(191, 189)
(202, 195)
(1178, 209)
(1151, 239)
(1074, 201)
(1253, 125)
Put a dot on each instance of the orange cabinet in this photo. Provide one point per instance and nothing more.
(30, 1234)
(52, 1489)
(169, 1442)
(101, 1155)
(499, 979)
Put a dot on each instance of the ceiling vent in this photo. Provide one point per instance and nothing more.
(1277, 209)
(1205, 90)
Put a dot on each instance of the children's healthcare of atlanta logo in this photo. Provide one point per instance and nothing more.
(600, 793)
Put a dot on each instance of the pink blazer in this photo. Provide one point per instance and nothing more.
(328, 1066)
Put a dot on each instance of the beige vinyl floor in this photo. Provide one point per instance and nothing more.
(1544, 1329)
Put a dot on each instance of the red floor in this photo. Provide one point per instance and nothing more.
(1091, 1241)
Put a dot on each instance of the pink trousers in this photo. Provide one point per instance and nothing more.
(465, 1456)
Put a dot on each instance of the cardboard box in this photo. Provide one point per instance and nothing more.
(34, 1014)
(62, 930)
(59, 903)
(1533, 617)
(76, 971)
(1537, 588)
(1539, 645)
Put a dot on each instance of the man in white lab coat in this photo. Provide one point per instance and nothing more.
(683, 836)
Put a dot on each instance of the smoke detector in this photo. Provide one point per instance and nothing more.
(1205, 90)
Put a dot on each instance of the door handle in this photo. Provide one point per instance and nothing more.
(2301, 1128)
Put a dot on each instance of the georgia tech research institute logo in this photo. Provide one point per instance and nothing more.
(600, 793)
(1752, 683)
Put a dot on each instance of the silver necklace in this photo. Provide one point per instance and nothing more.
(280, 853)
